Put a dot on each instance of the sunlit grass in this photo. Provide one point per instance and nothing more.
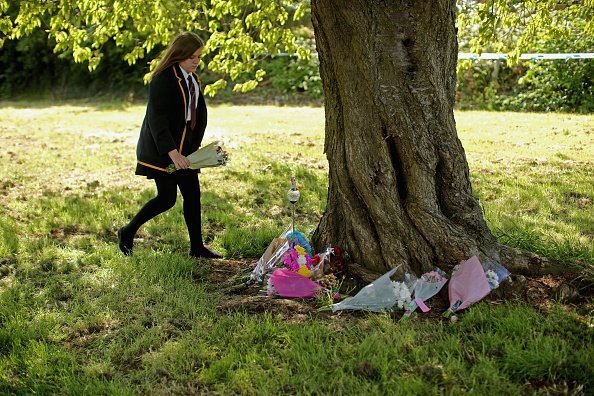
(532, 172)
(76, 317)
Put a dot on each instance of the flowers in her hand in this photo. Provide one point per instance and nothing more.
(208, 156)
(222, 156)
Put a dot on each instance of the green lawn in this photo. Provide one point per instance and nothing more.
(77, 317)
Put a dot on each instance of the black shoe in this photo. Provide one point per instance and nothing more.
(205, 253)
(125, 245)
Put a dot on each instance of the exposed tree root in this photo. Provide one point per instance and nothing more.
(526, 263)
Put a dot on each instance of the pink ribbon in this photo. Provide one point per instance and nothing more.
(422, 305)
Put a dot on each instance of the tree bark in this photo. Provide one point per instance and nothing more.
(399, 188)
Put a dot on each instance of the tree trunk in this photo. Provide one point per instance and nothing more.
(399, 187)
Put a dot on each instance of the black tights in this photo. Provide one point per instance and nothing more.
(189, 186)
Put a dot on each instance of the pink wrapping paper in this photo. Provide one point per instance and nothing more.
(290, 284)
(469, 284)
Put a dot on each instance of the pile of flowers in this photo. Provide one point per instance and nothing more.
(299, 273)
(292, 270)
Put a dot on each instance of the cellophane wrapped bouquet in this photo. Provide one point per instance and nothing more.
(207, 156)
(289, 268)
(381, 295)
(428, 285)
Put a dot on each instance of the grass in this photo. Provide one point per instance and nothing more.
(76, 317)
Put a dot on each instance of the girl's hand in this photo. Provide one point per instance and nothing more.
(180, 161)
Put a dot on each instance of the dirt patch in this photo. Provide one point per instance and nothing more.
(82, 337)
(263, 303)
(63, 233)
(583, 201)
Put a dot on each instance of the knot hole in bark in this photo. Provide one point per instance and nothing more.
(394, 150)
(411, 67)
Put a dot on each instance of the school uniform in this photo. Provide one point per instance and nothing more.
(168, 125)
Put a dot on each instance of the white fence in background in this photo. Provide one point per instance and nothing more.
(503, 56)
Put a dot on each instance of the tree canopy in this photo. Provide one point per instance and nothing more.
(515, 26)
(241, 33)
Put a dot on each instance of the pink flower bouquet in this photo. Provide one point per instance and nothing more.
(468, 285)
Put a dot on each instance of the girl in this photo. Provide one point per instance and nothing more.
(173, 128)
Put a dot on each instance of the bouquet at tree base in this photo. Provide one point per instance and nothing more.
(287, 283)
(428, 285)
(281, 253)
(299, 261)
(205, 157)
(380, 295)
(289, 268)
(468, 285)
(495, 273)
(272, 257)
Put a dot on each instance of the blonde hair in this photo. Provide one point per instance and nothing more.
(183, 47)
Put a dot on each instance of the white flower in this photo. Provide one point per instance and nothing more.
(492, 278)
(401, 293)
(301, 260)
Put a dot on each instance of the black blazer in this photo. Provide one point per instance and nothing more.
(164, 127)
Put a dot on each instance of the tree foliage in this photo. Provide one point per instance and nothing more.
(239, 32)
(29, 68)
(516, 27)
(519, 26)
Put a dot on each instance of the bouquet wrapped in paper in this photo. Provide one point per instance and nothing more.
(287, 283)
(428, 285)
(206, 157)
(276, 253)
(468, 285)
(381, 295)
